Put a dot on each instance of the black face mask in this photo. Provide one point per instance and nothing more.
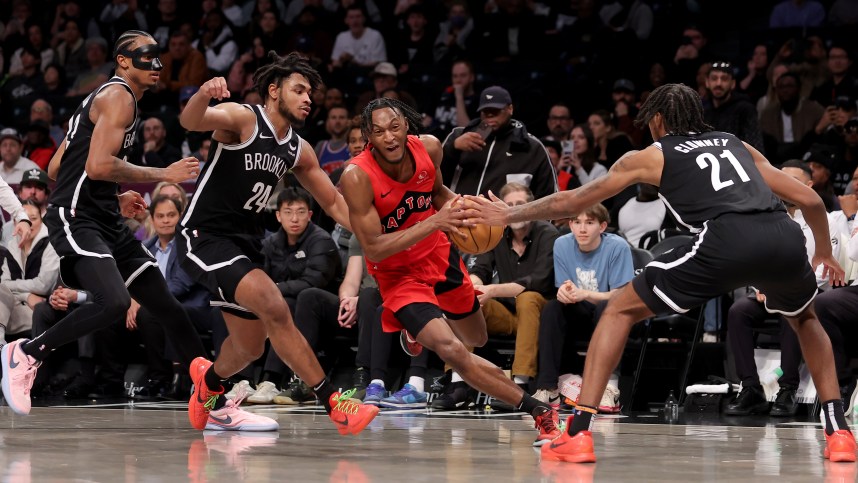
(137, 54)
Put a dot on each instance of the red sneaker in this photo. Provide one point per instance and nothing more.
(203, 399)
(548, 424)
(409, 344)
(350, 416)
(840, 446)
(571, 449)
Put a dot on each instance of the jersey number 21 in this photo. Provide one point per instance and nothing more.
(709, 160)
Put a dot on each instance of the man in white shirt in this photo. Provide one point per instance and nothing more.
(14, 165)
(359, 46)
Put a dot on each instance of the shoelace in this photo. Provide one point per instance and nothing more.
(210, 402)
(28, 376)
(545, 422)
(402, 392)
(345, 404)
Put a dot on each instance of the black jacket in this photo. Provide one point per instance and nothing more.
(737, 116)
(313, 262)
(511, 154)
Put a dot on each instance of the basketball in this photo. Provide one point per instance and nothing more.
(480, 239)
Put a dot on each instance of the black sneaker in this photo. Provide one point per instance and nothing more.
(752, 400)
(785, 403)
(152, 390)
(108, 390)
(457, 395)
(505, 407)
(79, 388)
(360, 379)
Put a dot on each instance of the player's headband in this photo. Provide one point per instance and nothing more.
(136, 56)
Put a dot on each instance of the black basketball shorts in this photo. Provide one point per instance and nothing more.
(219, 262)
(75, 237)
(763, 250)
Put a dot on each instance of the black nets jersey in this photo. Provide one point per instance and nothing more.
(80, 195)
(711, 174)
(238, 180)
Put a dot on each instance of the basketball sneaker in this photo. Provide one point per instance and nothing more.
(349, 416)
(203, 399)
(548, 424)
(241, 390)
(548, 396)
(409, 344)
(374, 394)
(571, 449)
(265, 393)
(405, 398)
(19, 372)
(232, 418)
(296, 393)
(610, 403)
(840, 446)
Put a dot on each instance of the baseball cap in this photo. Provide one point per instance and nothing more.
(10, 133)
(723, 66)
(187, 92)
(847, 103)
(35, 175)
(822, 154)
(384, 68)
(624, 85)
(494, 97)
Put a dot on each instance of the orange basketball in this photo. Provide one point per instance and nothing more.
(480, 239)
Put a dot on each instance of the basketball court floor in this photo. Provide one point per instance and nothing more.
(153, 442)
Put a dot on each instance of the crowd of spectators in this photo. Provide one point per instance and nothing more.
(527, 97)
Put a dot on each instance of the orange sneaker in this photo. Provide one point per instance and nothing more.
(203, 399)
(350, 416)
(548, 424)
(571, 449)
(840, 446)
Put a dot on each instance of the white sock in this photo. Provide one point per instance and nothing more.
(521, 379)
(377, 381)
(417, 382)
(456, 377)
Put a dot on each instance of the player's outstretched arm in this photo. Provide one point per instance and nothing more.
(318, 183)
(633, 167)
(229, 116)
(112, 112)
(366, 224)
(812, 208)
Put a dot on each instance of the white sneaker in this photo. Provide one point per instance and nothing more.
(241, 390)
(264, 394)
(710, 337)
(550, 397)
(610, 402)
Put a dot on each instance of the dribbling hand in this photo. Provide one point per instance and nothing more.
(182, 170)
(449, 217)
(215, 88)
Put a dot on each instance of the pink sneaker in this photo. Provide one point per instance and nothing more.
(19, 372)
(232, 418)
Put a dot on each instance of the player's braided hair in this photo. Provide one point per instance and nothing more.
(414, 119)
(281, 68)
(126, 39)
(680, 108)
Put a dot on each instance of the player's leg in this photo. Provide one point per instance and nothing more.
(109, 303)
(258, 293)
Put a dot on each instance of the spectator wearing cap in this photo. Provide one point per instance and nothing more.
(788, 123)
(822, 161)
(42, 111)
(494, 150)
(33, 188)
(157, 152)
(842, 82)
(38, 145)
(384, 78)
(98, 72)
(19, 91)
(183, 65)
(14, 165)
(359, 46)
(625, 102)
(730, 111)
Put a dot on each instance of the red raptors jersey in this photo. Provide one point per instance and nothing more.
(401, 205)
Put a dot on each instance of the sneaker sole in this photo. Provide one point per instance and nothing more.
(363, 424)
(404, 405)
(243, 427)
(576, 458)
(7, 382)
(291, 402)
(839, 456)
(762, 408)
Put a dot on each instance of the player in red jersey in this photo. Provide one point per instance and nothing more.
(398, 208)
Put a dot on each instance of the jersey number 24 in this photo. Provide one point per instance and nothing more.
(706, 160)
(259, 199)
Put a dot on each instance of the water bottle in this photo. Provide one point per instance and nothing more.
(671, 408)
(770, 382)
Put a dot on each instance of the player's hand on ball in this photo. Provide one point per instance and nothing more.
(183, 170)
(131, 203)
(215, 88)
(480, 210)
(449, 217)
